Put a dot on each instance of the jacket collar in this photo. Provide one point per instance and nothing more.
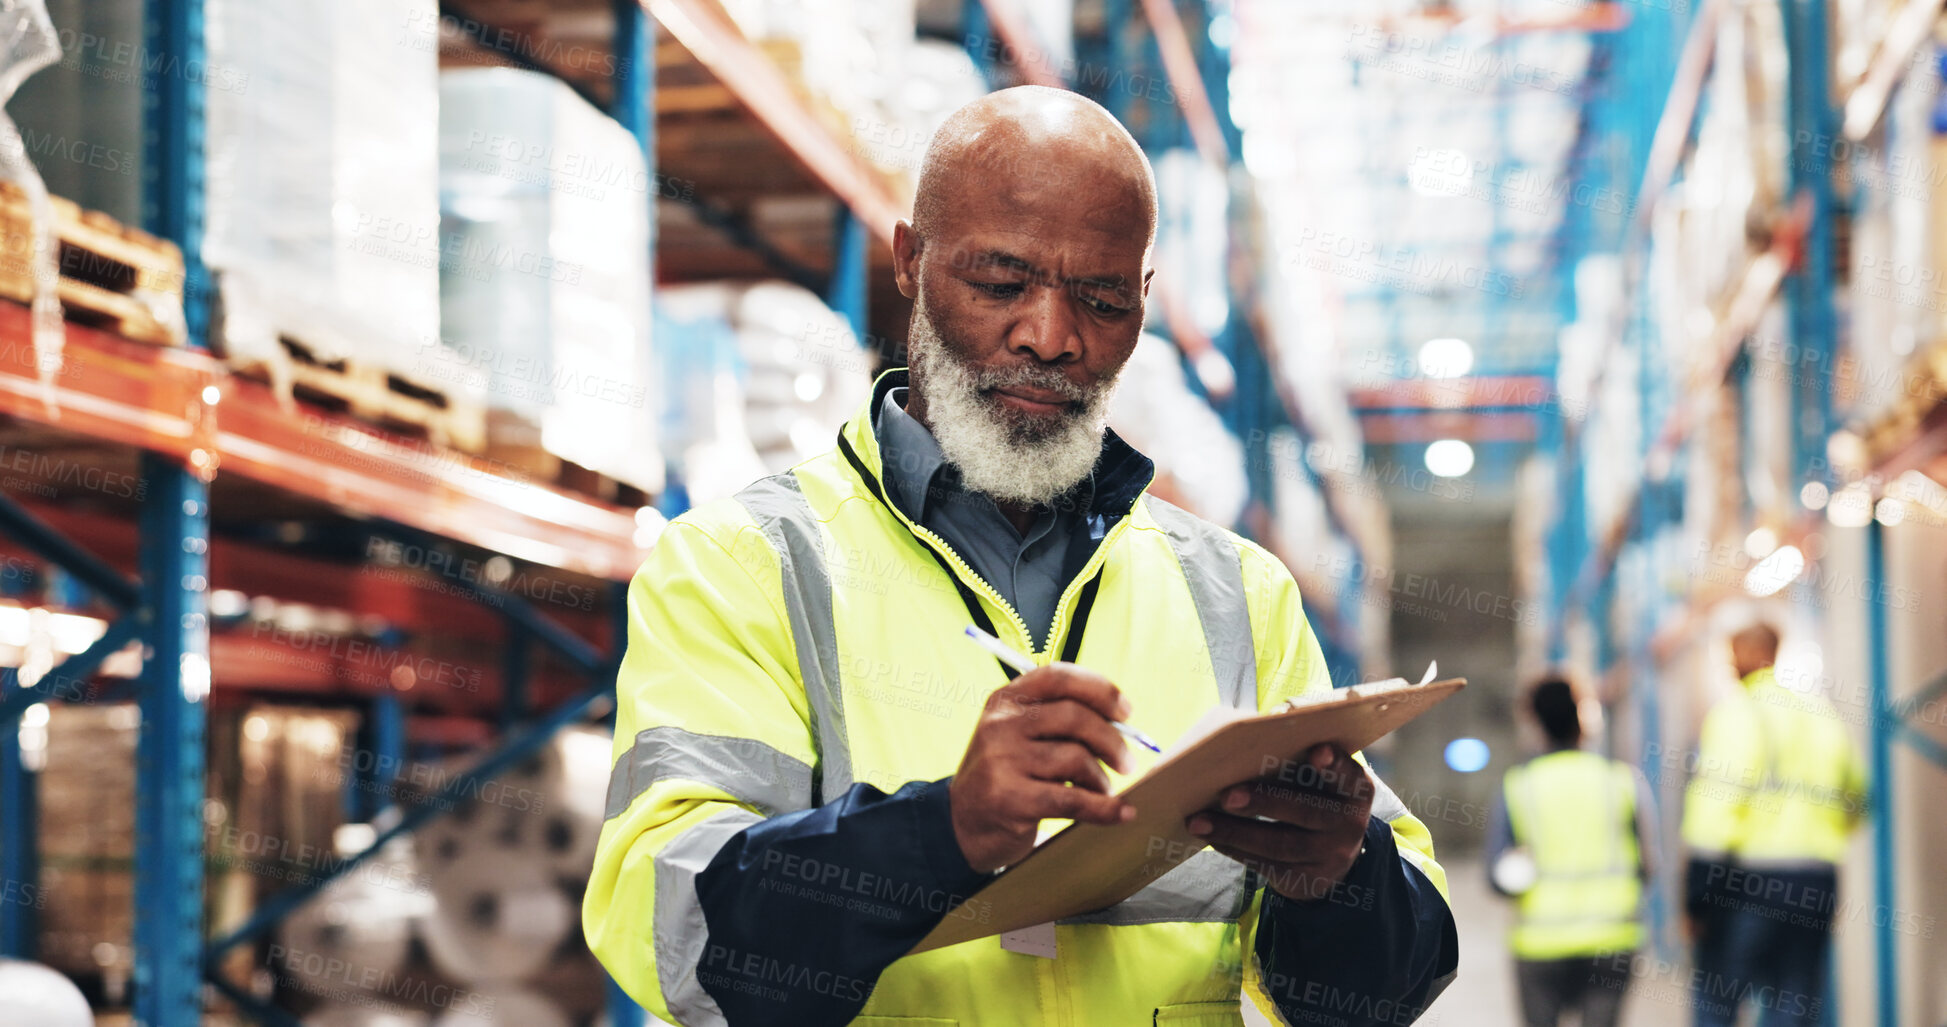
(1121, 473)
(1759, 678)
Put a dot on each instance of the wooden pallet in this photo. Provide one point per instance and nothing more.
(514, 442)
(113, 277)
(386, 397)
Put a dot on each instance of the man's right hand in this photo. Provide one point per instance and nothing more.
(1034, 756)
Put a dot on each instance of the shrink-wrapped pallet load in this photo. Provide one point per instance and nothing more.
(544, 276)
(323, 196)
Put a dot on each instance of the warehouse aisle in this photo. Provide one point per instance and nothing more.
(1484, 994)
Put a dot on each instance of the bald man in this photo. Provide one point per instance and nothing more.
(814, 767)
(1778, 789)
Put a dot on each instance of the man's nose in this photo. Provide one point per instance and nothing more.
(1047, 327)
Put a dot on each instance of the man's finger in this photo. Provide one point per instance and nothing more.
(1067, 720)
(1276, 843)
(1334, 770)
(1067, 681)
(1285, 803)
(1066, 761)
(1043, 801)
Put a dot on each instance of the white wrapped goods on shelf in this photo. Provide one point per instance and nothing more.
(803, 373)
(544, 276)
(496, 920)
(1193, 234)
(507, 866)
(572, 822)
(506, 1008)
(1155, 411)
(363, 920)
(34, 994)
(931, 80)
(323, 218)
(546, 811)
(349, 1014)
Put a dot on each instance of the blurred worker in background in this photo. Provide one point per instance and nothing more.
(1570, 839)
(814, 766)
(1778, 787)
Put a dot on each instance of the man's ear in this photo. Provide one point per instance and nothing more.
(905, 259)
(1148, 276)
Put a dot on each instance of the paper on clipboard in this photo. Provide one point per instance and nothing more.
(1087, 867)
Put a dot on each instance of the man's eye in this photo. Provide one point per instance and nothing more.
(1000, 290)
(1104, 307)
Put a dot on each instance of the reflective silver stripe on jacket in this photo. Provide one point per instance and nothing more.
(1385, 803)
(681, 936)
(1215, 573)
(1208, 886)
(748, 770)
(779, 507)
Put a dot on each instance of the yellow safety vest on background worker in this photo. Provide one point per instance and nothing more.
(1778, 782)
(1575, 814)
(805, 636)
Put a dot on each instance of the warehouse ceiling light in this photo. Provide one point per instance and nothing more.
(1851, 507)
(1446, 358)
(649, 525)
(1450, 458)
(1814, 495)
(1467, 755)
(66, 633)
(1774, 572)
(1440, 173)
(1760, 542)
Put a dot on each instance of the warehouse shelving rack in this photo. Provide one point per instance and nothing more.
(179, 416)
(1799, 268)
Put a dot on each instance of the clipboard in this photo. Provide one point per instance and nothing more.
(1087, 867)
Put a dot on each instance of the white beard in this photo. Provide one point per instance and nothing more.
(1008, 455)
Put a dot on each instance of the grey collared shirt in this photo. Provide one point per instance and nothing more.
(1029, 571)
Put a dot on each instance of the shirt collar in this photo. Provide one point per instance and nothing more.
(909, 453)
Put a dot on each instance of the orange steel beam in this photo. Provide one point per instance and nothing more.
(1680, 111)
(1407, 429)
(186, 405)
(1890, 63)
(1180, 63)
(1455, 393)
(703, 27)
(1027, 53)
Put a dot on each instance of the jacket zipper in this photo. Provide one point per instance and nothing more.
(1064, 606)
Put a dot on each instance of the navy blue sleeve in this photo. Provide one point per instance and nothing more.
(1376, 951)
(806, 909)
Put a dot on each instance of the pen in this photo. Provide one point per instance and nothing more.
(1007, 655)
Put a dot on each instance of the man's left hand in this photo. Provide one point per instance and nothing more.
(1320, 806)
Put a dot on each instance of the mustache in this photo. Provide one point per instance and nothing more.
(1034, 376)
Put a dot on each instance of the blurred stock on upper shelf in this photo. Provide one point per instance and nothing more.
(447, 305)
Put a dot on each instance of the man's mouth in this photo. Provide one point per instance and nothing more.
(1030, 400)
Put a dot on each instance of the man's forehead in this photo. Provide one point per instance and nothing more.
(1084, 267)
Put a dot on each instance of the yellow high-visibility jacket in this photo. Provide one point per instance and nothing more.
(1575, 813)
(807, 636)
(1778, 785)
